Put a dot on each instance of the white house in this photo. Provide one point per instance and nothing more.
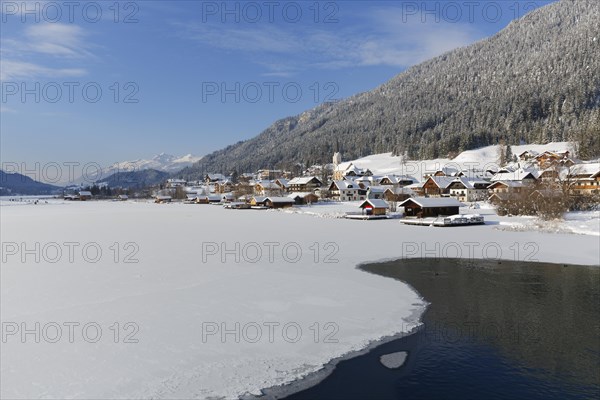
(469, 190)
(347, 191)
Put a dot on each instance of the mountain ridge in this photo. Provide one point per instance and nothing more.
(161, 162)
(136, 179)
(15, 184)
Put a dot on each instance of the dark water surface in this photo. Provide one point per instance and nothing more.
(494, 330)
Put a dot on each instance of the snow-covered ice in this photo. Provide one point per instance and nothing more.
(174, 295)
(580, 223)
(393, 360)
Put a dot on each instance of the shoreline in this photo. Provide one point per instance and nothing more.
(313, 379)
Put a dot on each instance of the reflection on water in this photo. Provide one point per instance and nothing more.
(493, 330)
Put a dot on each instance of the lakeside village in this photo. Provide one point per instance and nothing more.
(545, 184)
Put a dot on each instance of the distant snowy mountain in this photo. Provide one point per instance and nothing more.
(161, 162)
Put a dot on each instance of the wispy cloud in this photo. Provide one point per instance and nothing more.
(58, 40)
(382, 37)
(403, 41)
(7, 110)
(36, 51)
(251, 39)
(19, 70)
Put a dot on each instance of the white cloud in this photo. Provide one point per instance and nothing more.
(60, 40)
(381, 37)
(35, 53)
(19, 70)
(7, 110)
(406, 41)
(266, 39)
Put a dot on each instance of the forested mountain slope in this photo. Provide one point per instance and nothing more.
(538, 80)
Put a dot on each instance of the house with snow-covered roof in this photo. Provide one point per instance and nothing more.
(527, 176)
(550, 158)
(227, 197)
(443, 171)
(374, 207)
(212, 178)
(223, 186)
(279, 202)
(258, 201)
(282, 183)
(350, 170)
(436, 186)
(392, 194)
(501, 191)
(528, 155)
(161, 199)
(468, 190)
(197, 199)
(396, 180)
(174, 183)
(303, 197)
(304, 184)
(246, 177)
(584, 178)
(366, 181)
(347, 190)
(422, 207)
(506, 186)
(376, 192)
(549, 174)
(270, 174)
(266, 188)
(85, 195)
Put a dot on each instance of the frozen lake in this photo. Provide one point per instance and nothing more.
(139, 300)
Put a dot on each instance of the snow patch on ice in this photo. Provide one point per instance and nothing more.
(580, 223)
(393, 360)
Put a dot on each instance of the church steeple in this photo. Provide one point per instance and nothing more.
(337, 159)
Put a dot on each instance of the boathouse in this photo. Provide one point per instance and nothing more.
(422, 207)
(374, 207)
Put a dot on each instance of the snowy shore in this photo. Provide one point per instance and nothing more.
(295, 293)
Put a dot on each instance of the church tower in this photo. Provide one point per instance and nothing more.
(337, 159)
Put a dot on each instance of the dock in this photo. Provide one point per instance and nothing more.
(365, 217)
(446, 221)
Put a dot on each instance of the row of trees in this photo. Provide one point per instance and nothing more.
(549, 199)
(545, 204)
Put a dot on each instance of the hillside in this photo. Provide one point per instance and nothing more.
(538, 80)
(12, 184)
(136, 179)
(161, 162)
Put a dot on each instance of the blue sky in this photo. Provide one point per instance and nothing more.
(162, 67)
